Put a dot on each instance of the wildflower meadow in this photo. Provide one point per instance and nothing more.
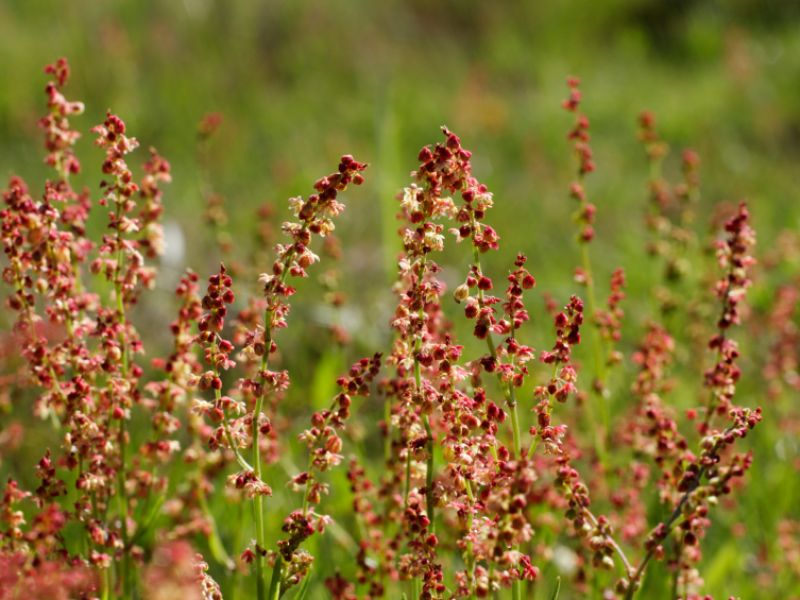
(258, 400)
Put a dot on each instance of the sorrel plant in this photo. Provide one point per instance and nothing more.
(491, 450)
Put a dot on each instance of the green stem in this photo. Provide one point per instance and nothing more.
(229, 436)
(470, 553)
(508, 392)
(535, 441)
(387, 441)
(429, 474)
(516, 590)
(310, 465)
(408, 478)
(106, 584)
(122, 504)
(635, 579)
(515, 429)
(275, 583)
(122, 501)
(676, 574)
(598, 386)
(258, 500)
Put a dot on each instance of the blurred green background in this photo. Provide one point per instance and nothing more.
(298, 83)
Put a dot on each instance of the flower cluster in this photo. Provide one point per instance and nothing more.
(733, 256)
(59, 138)
(324, 445)
(670, 214)
(580, 137)
(495, 469)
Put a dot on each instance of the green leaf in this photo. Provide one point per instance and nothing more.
(557, 591)
(304, 588)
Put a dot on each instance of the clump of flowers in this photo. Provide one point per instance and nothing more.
(476, 465)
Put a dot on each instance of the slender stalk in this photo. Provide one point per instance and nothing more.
(429, 500)
(516, 590)
(429, 474)
(425, 420)
(721, 333)
(470, 555)
(387, 441)
(106, 584)
(258, 500)
(669, 524)
(515, 428)
(508, 392)
(429, 465)
(588, 513)
(275, 583)
(229, 436)
(122, 504)
(122, 501)
(599, 354)
(407, 488)
(676, 574)
(310, 464)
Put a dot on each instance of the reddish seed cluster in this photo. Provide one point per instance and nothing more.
(339, 588)
(463, 474)
(372, 543)
(215, 303)
(209, 124)
(568, 326)
(734, 258)
(655, 146)
(654, 432)
(782, 368)
(512, 356)
(704, 481)
(322, 439)
(700, 480)
(79, 346)
(520, 279)
(121, 260)
(579, 136)
(47, 579)
(176, 571)
(690, 167)
(216, 351)
(314, 217)
(671, 215)
(157, 172)
(59, 138)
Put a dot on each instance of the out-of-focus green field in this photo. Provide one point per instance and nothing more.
(298, 83)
